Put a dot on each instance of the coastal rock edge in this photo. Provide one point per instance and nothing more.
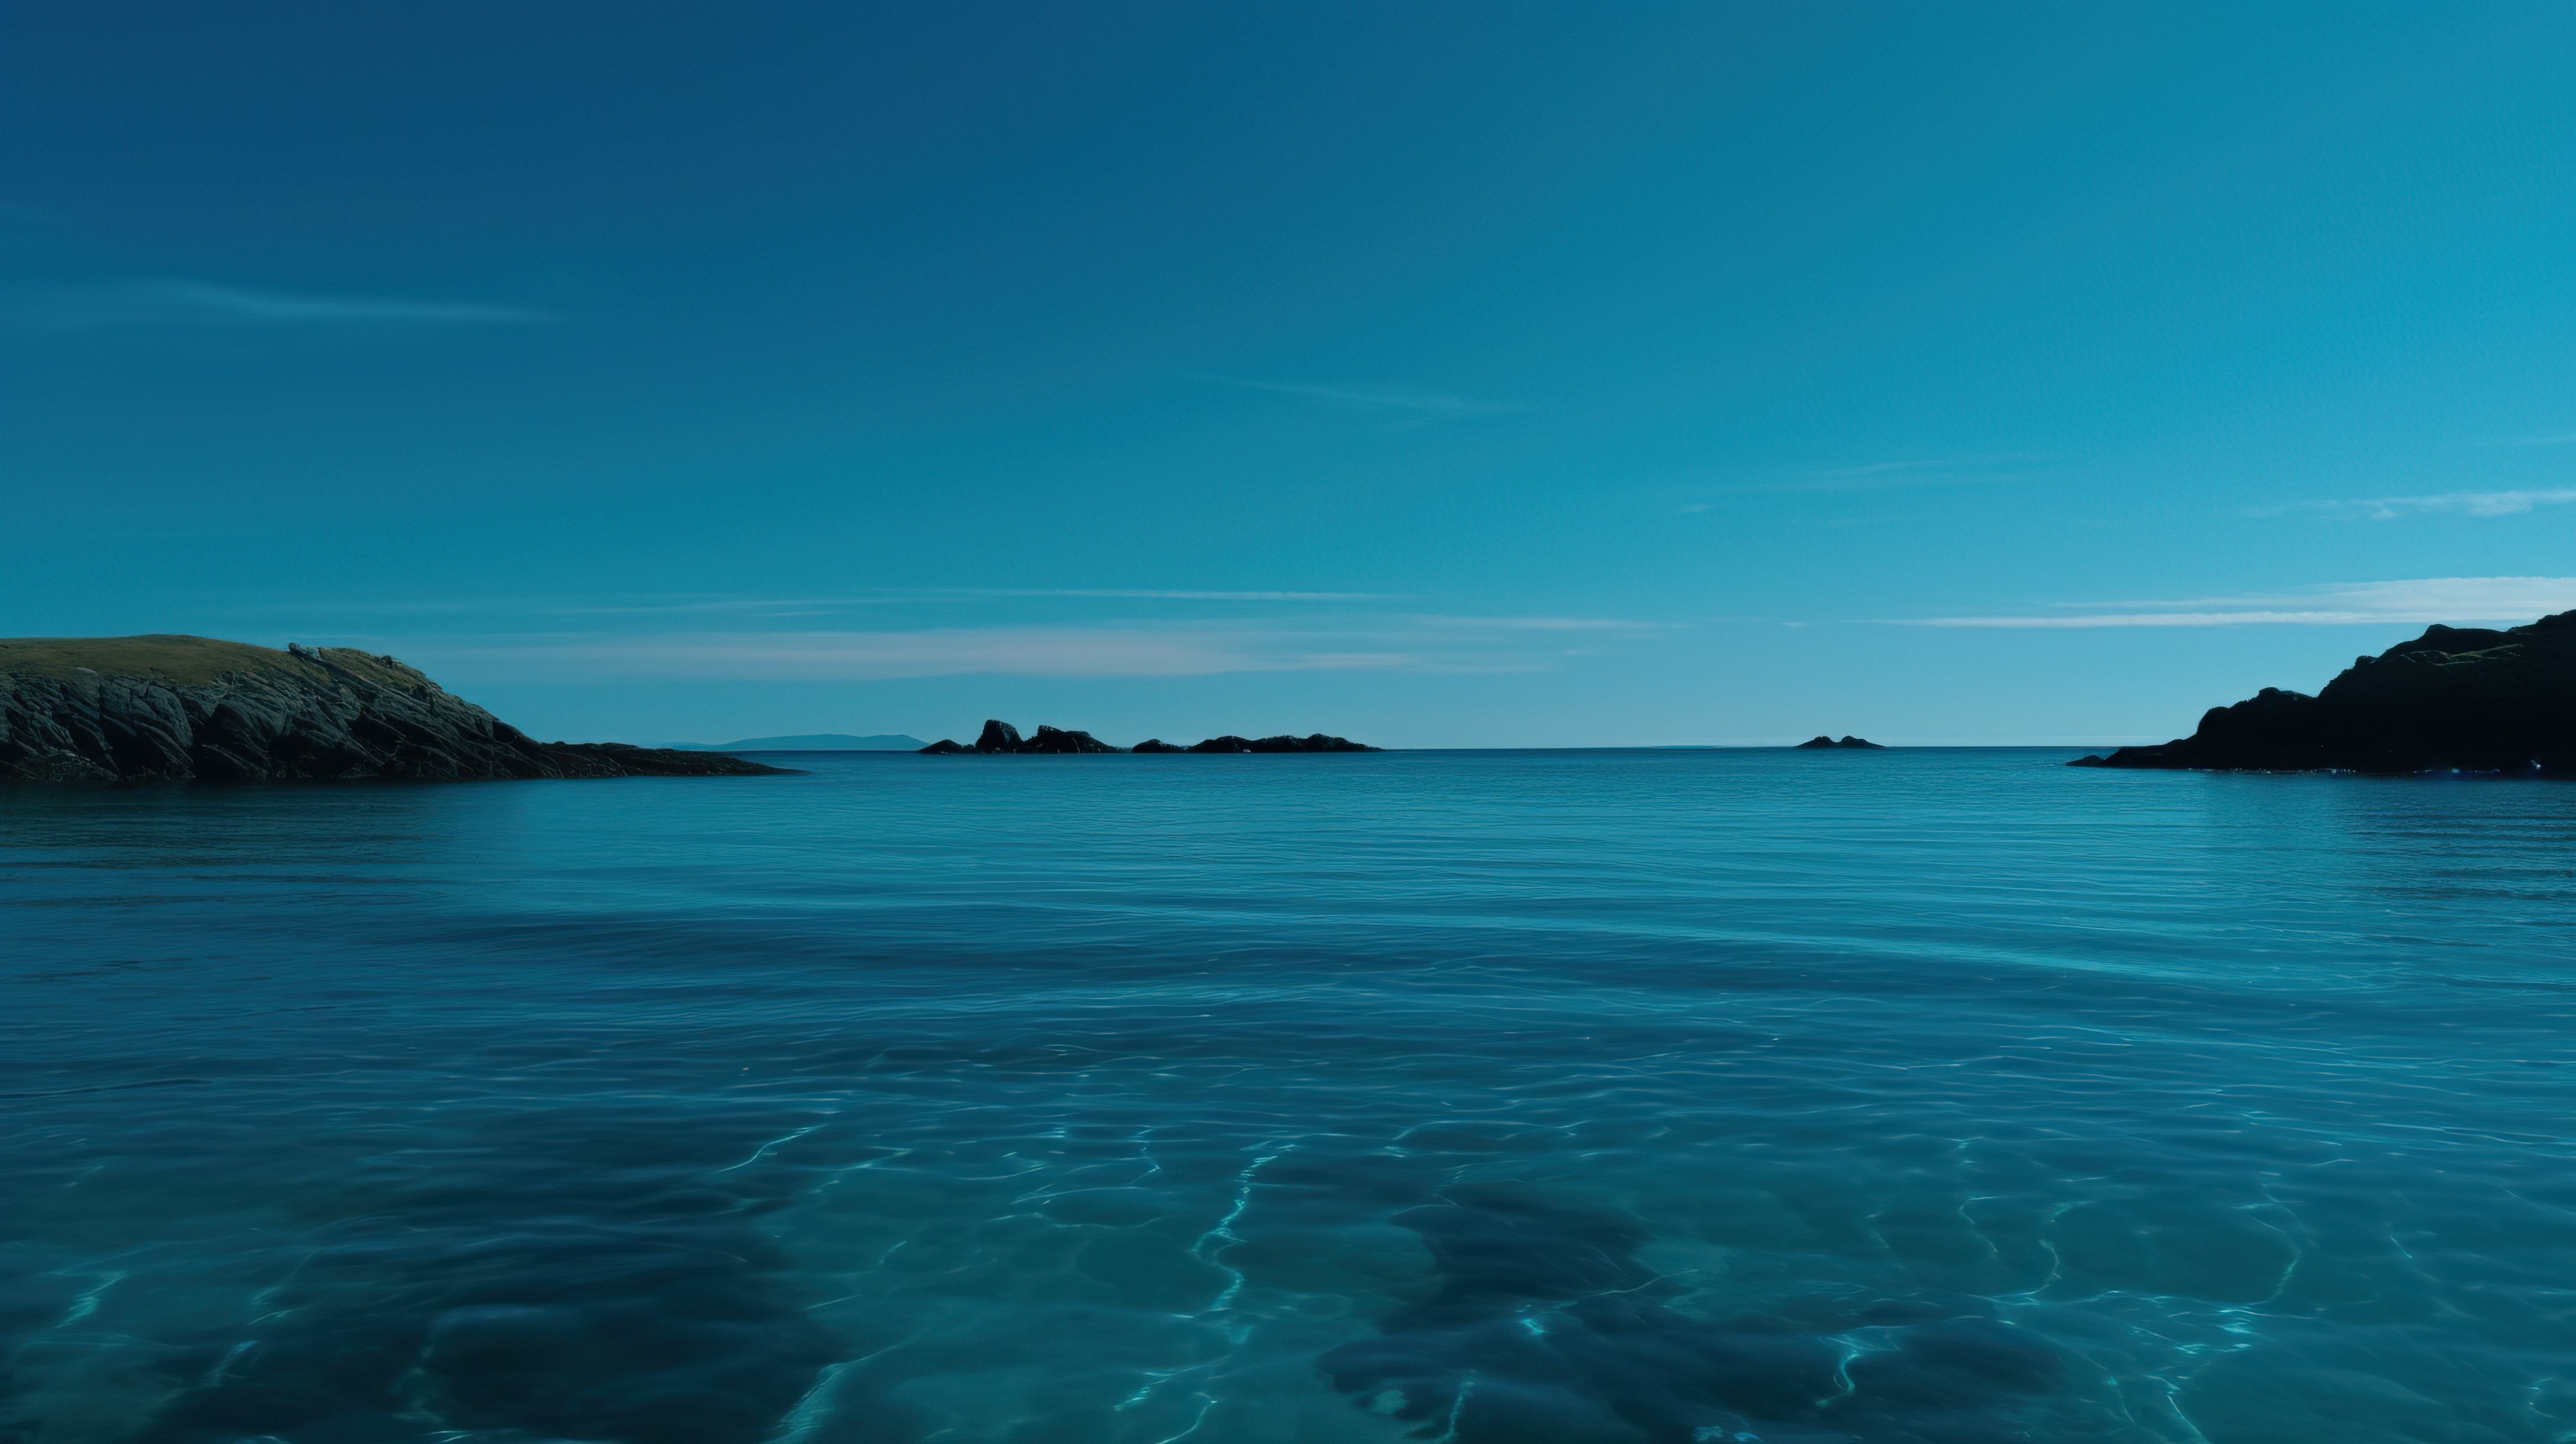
(174, 708)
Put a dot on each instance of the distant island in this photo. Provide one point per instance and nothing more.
(809, 742)
(2457, 699)
(1000, 737)
(1847, 741)
(174, 708)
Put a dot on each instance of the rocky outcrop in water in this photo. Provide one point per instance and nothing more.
(1315, 743)
(2464, 699)
(1002, 737)
(1848, 741)
(177, 708)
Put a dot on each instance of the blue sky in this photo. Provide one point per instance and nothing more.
(1477, 374)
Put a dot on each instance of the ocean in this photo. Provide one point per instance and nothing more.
(1550, 1097)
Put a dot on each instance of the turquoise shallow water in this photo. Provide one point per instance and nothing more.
(1509, 1098)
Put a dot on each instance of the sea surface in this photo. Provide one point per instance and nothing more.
(1619, 1097)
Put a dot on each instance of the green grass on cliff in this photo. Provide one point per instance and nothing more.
(183, 660)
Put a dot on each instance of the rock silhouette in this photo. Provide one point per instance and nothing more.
(1001, 737)
(171, 708)
(1847, 741)
(1318, 742)
(2465, 699)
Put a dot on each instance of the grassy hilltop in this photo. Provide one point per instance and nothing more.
(186, 661)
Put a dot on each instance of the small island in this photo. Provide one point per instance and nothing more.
(1821, 740)
(175, 708)
(1001, 738)
(2456, 699)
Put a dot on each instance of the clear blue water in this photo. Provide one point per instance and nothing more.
(1509, 1098)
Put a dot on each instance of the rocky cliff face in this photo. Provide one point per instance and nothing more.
(2466, 699)
(178, 708)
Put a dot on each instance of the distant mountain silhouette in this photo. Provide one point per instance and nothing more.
(811, 742)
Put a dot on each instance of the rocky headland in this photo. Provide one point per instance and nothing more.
(2457, 699)
(1001, 737)
(172, 708)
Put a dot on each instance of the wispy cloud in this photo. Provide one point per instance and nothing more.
(1421, 405)
(1106, 649)
(2431, 599)
(858, 656)
(156, 303)
(1167, 596)
(2456, 503)
(1545, 624)
(789, 605)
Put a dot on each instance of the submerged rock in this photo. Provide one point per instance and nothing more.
(171, 708)
(2464, 699)
(1544, 1325)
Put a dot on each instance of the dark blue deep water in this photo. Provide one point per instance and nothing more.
(1508, 1098)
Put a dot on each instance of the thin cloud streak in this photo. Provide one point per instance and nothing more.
(1127, 594)
(157, 303)
(2458, 503)
(880, 656)
(1380, 644)
(1546, 624)
(2420, 601)
(796, 606)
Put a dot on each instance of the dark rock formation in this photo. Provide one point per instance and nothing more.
(2467, 699)
(178, 708)
(1055, 739)
(1848, 741)
(1316, 743)
(1002, 737)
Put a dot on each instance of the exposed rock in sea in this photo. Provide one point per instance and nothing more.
(1847, 741)
(1316, 743)
(1002, 737)
(171, 708)
(2457, 699)
(1056, 739)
